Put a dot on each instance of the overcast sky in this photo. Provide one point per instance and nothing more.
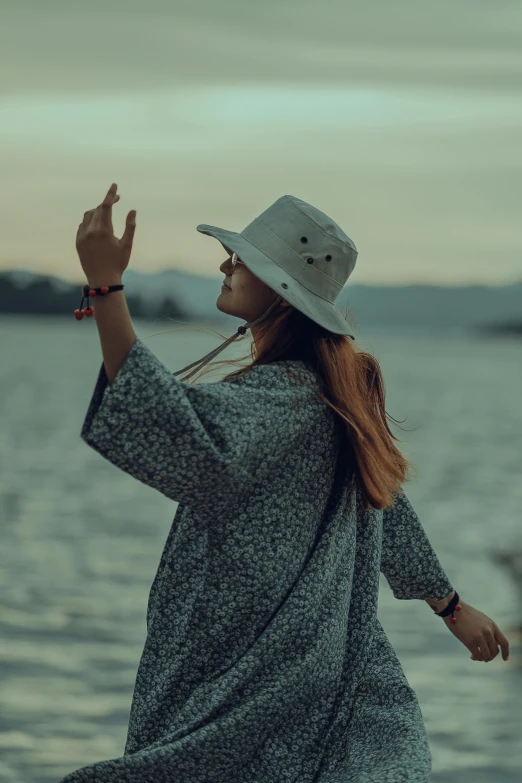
(401, 120)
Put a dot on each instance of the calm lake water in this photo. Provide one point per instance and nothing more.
(81, 542)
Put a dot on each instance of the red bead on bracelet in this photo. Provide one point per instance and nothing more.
(457, 609)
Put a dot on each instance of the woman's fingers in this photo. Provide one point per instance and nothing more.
(103, 212)
(502, 640)
(487, 648)
(87, 217)
(490, 646)
(484, 651)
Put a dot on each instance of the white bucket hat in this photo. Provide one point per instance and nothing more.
(299, 252)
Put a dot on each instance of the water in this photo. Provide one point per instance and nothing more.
(81, 542)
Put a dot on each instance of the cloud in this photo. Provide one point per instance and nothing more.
(129, 45)
(401, 120)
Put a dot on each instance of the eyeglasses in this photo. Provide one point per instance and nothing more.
(235, 260)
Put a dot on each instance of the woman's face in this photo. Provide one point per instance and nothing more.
(246, 296)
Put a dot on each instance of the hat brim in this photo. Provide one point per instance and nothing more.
(315, 307)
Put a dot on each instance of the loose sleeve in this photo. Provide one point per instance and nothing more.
(409, 563)
(196, 444)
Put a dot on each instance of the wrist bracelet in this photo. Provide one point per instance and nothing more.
(451, 608)
(87, 292)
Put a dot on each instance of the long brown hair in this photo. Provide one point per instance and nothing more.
(354, 389)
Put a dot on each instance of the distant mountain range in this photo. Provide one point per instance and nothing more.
(192, 297)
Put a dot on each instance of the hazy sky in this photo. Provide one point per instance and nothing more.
(401, 120)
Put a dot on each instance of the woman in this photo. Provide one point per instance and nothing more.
(264, 659)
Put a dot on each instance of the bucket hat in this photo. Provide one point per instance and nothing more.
(300, 253)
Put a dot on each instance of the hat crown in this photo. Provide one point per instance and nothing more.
(307, 244)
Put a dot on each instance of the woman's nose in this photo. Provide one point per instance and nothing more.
(226, 267)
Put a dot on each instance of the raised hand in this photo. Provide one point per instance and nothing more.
(103, 256)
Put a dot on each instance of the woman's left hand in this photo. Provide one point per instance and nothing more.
(479, 633)
(103, 256)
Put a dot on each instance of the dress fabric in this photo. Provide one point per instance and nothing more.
(264, 660)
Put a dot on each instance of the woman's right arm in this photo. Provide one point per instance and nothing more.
(408, 561)
(413, 570)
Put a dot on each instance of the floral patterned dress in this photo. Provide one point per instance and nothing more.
(264, 660)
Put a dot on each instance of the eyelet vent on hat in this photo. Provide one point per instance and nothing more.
(310, 260)
(284, 285)
(304, 240)
(328, 258)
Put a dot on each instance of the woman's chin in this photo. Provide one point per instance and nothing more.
(226, 307)
(220, 304)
